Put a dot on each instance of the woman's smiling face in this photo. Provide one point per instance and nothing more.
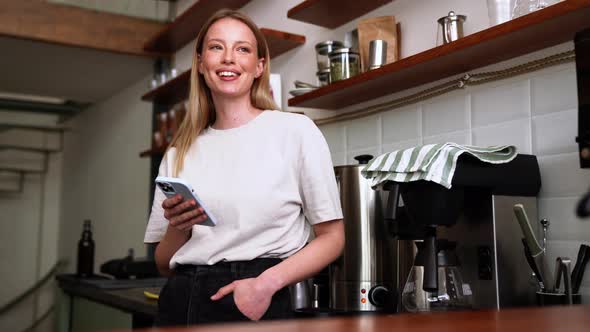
(229, 60)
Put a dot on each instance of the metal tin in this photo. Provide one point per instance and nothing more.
(323, 77)
(377, 53)
(323, 49)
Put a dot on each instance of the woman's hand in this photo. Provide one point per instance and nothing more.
(181, 214)
(252, 296)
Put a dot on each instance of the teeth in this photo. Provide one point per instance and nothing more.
(227, 74)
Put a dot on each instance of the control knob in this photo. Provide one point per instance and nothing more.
(379, 296)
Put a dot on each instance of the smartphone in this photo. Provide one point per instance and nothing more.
(173, 186)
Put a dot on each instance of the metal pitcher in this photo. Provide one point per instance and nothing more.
(452, 27)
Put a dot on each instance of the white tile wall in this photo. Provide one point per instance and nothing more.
(560, 212)
(445, 114)
(516, 133)
(547, 140)
(403, 124)
(562, 176)
(401, 145)
(500, 103)
(335, 136)
(459, 137)
(536, 112)
(362, 134)
(554, 90)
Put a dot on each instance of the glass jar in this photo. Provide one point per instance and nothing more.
(323, 77)
(500, 11)
(344, 63)
(323, 49)
(523, 7)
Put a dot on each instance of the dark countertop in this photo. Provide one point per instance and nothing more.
(547, 319)
(538, 319)
(131, 300)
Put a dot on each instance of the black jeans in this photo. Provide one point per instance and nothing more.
(185, 299)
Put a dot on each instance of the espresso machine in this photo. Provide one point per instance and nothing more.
(474, 218)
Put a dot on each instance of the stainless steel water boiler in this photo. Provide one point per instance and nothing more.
(364, 278)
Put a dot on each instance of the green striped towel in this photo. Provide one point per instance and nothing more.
(431, 162)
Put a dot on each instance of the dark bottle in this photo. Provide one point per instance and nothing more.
(86, 252)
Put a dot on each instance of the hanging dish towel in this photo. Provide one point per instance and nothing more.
(431, 162)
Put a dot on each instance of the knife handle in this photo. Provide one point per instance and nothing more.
(527, 231)
(578, 271)
(533, 264)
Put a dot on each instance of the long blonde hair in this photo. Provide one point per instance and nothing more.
(201, 110)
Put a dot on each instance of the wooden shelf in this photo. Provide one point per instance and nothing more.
(186, 26)
(332, 13)
(49, 129)
(153, 152)
(541, 29)
(280, 42)
(171, 92)
(177, 89)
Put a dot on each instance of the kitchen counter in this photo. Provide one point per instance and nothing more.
(570, 319)
(130, 300)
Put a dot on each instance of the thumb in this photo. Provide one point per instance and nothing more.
(223, 291)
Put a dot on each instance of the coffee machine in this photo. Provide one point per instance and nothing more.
(384, 224)
(476, 213)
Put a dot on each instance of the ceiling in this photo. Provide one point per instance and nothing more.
(77, 74)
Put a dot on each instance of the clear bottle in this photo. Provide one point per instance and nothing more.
(85, 267)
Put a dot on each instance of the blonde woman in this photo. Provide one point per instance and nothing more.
(265, 175)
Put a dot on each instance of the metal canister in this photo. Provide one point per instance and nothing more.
(364, 277)
(377, 53)
(452, 27)
(323, 49)
(324, 77)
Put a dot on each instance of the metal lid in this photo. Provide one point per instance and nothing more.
(452, 17)
(327, 46)
(323, 71)
(363, 160)
(343, 51)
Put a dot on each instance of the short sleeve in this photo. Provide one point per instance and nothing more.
(157, 224)
(317, 182)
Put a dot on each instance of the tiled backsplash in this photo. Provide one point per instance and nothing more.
(536, 112)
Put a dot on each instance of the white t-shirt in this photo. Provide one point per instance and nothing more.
(261, 181)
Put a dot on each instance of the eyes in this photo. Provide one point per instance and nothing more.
(219, 47)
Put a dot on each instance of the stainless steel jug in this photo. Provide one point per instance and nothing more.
(364, 278)
(451, 26)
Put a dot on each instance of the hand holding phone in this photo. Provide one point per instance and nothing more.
(183, 208)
